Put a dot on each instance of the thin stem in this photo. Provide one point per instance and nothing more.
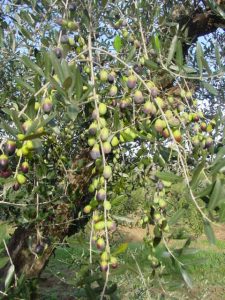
(11, 262)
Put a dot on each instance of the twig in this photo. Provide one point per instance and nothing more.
(142, 277)
(11, 262)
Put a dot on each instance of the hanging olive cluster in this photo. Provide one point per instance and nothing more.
(21, 148)
(161, 114)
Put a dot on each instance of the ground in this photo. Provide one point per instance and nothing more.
(206, 268)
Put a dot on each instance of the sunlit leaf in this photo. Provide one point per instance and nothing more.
(210, 88)
(172, 49)
(117, 44)
(199, 54)
(209, 232)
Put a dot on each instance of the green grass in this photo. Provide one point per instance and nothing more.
(205, 267)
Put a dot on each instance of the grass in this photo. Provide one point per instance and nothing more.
(205, 267)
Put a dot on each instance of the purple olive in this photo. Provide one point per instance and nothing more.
(16, 186)
(10, 147)
(4, 162)
(5, 173)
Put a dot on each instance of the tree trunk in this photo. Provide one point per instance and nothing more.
(30, 247)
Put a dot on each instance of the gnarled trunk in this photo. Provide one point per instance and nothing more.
(30, 247)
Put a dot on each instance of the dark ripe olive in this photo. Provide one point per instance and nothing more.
(64, 39)
(160, 186)
(111, 78)
(39, 249)
(5, 173)
(137, 68)
(58, 52)
(16, 186)
(10, 147)
(4, 161)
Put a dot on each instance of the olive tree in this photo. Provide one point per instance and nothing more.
(96, 91)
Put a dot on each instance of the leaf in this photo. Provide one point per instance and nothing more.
(116, 120)
(178, 214)
(189, 70)
(31, 65)
(1, 37)
(117, 44)
(78, 84)
(86, 94)
(217, 54)
(210, 88)
(186, 277)
(25, 85)
(179, 54)
(104, 2)
(157, 43)
(8, 129)
(57, 86)
(47, 64)
(9, 276)
(197, 172)
(25, 33)
(30, 109)
(56, 66)
(16, 120)
(199, 54)
(67, 83)
(121, 249)
(219, 155)
(209, 232)
(172, 50)
(216, 194)
(27, 17)
(65, 68)
(218, 166)
(204, 192)
(3, 261)
(131, 54)
(72, 111)
(151, 64)
(168, 176)
(206, 66)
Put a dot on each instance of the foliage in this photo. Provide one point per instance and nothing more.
(100, 119)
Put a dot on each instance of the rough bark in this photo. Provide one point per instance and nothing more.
(200, 23)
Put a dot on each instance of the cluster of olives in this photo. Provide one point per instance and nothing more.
(10, 148)
(22, 147)
(75, 41)
(99, 230)
(121, 24)
(163, 115)
(157, 217)
(99, 241)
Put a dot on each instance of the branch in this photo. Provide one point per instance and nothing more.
(200, 23)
